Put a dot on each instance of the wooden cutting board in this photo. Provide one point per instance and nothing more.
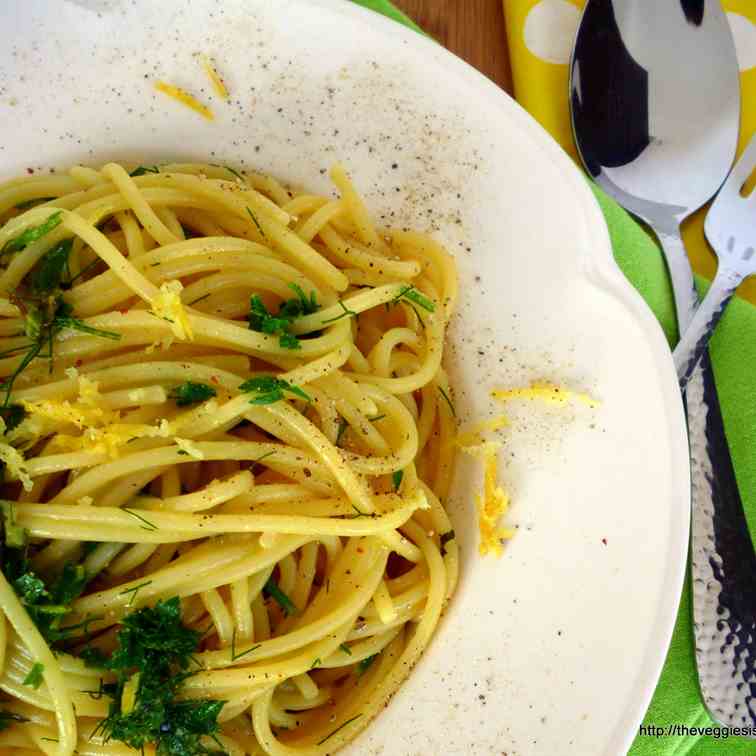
(472, 29)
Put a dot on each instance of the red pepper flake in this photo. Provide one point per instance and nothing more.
(30, 171)
(214, 379)
(79, 362)
(603, 540)
(360, 550)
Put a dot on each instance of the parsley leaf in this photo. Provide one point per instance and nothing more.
(286, 604)
(300, 305)
(36, 675)
(32, 234)
(263, 321)
(270, 389)
(192, 393)
(46, 604)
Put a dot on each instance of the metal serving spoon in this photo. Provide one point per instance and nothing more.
(654, 93)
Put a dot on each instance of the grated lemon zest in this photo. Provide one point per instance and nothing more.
(167, 305)
(472, 435)
(215, 80)
(545, 392)
(15, 465)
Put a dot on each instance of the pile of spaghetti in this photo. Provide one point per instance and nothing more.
(226, 435)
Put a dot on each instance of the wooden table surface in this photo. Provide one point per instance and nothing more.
(472, 29)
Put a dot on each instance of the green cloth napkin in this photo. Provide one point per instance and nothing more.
(733, 349)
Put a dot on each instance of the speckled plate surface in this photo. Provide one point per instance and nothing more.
(556, 647)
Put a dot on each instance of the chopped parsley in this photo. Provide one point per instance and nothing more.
(286, 604)
(36, 675)
(150, 661)
(142, 170)
(263, 321)
(32, 234)
(192, 393)
(396, 479)
(270, 389)
(47, 604)
(345, 648)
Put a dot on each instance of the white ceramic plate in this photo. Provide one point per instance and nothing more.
(556, 647)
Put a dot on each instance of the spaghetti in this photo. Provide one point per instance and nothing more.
(226, 430)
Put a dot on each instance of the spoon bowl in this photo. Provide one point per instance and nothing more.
(656, 103)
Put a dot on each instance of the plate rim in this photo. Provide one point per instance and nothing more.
(600, 269)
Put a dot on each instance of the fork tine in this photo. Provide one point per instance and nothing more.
(742, 170)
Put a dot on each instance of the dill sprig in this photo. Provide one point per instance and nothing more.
(286, 604)
(31, 234)
(44, 320)
(411, 294)
(270, 389)
(347, 313)
(154, 650)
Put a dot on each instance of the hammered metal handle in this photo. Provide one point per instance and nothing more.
(723, 564)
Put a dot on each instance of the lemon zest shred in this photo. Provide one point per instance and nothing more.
(215, 80)
(473, 435)
(182, 96)
(546, 392)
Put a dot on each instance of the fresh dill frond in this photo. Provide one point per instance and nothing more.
(270, 389)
